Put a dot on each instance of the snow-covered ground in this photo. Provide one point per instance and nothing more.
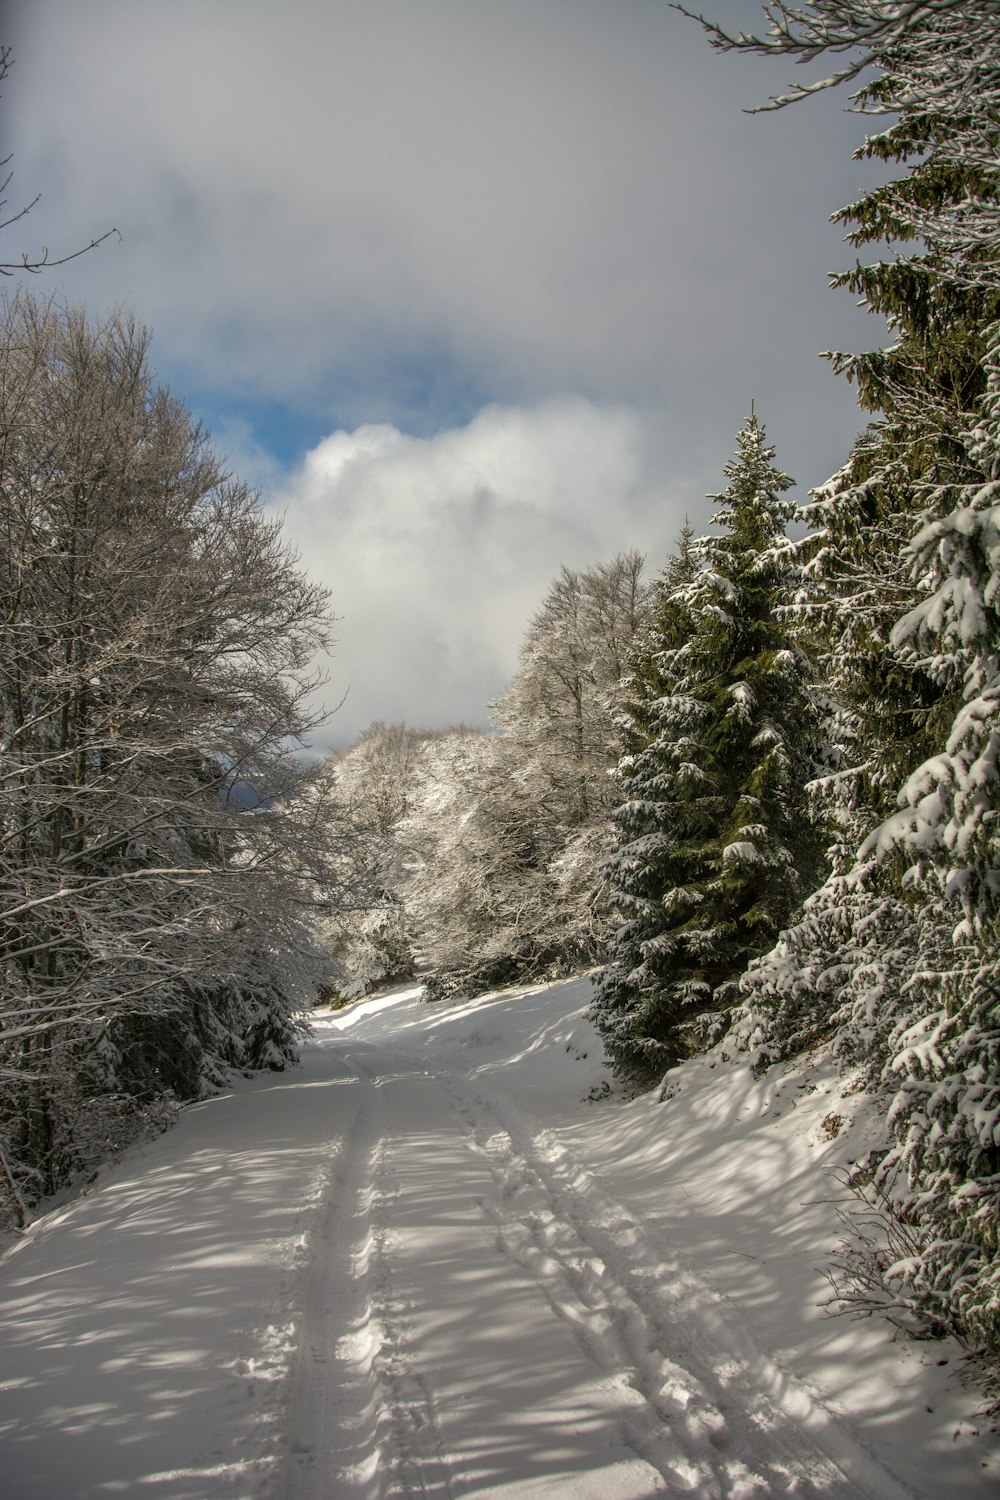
(426, 1263)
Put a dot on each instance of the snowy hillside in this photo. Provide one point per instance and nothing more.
(434, 1261)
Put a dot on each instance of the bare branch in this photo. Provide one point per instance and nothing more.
(35, 264)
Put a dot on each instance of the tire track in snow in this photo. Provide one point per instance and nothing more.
(362, 1420)
(412, 1450)
(334, 1409)
(701, 1403)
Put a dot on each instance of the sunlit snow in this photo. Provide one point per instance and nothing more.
(442, 1258)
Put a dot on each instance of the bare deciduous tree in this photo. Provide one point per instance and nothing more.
(156, 636)
(559, 708)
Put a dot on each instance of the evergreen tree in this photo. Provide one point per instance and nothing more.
(898, 953)
(666, 628)
(715, 846)
(905, 554)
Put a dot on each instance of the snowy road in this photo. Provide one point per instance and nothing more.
(398, 1272)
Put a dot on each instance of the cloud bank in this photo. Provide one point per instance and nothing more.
(436, 551)
(398, 211)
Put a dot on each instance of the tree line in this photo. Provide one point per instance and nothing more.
(162, 849)
(760, 795)
(489, 846)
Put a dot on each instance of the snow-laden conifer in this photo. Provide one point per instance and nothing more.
(896, 957)
(715, 847)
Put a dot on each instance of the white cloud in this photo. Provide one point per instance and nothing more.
(437, 550)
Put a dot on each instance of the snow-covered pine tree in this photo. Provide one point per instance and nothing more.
(715, 845)
(901, 945)
(666, 628)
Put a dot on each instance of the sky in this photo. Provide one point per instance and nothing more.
(471, 289)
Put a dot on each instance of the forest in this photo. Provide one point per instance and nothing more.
(753, 792)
